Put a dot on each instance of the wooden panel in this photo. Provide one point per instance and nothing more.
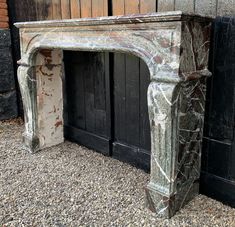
(99, 8)
(148, 6)
(226, 7)
(65, 9)
(88, 113)
(44, 10)
(218, 154)
(206, 7)
(218, 188)
(221, 123)
(132, 100)
(120, 97)
(75, 8)
(184, 5)
(56, 9)
(131, 154)
(166, 5)
(131, 123)
(86, 8)
(101, 94)
(22, 12)
(101, 61)
(215, 157)
(132, 6)
(119, 78)
(75, 88)
(88, 75)
(90, 140)
(87, 99)
(118, 7)
(132, 86)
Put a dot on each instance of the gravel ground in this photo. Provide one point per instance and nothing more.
(69, 185)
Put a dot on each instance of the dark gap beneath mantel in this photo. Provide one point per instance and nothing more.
(106, 105)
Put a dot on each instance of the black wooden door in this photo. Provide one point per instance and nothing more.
(87, 100)
(106, 105)
(218, 153)
(131, 121)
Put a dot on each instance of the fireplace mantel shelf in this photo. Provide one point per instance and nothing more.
(123, 19)
(175, 48)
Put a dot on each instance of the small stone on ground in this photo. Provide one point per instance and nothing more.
(69, 185)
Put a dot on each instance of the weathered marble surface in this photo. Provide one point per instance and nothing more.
(175, 48)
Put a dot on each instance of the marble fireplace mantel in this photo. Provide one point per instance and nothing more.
(175, 48)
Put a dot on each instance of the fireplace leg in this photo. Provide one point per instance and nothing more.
(176, 114)
(42, 95)
(27, 83)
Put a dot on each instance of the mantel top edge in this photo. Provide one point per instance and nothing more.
(122, 19)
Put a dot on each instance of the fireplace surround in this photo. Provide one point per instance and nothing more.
(174, 46)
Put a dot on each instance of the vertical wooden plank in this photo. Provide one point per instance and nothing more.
(108, 59)
(99, 79)
(88, 76)
(132, 100)
(118, 7)
(206, 7)
(50, 9)
(132, 85)
(185, 5)
(23, 11)
(225, 7)
(99, 93)
(75, 8)
(119, 76)
(65, 9)
(166, 5)
(43, 9)
(56, 9)
(148, 6)
(74, 70)
(87, 121)
(132, 6)
(99, 8)
(86, 8)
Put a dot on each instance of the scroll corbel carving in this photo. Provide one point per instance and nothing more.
(27, 83)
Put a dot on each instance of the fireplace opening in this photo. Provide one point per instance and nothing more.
(105, 104)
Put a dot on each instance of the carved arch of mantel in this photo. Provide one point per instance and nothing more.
(159, 49)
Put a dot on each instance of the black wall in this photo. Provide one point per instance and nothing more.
(8, 103)
(218, 156)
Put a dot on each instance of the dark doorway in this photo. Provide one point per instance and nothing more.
(106, 105)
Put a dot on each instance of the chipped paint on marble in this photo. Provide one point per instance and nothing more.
(49, 97)
(175, 48)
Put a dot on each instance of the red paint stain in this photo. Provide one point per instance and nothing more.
(58, 123)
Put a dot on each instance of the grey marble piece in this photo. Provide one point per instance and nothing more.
(175, 48)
